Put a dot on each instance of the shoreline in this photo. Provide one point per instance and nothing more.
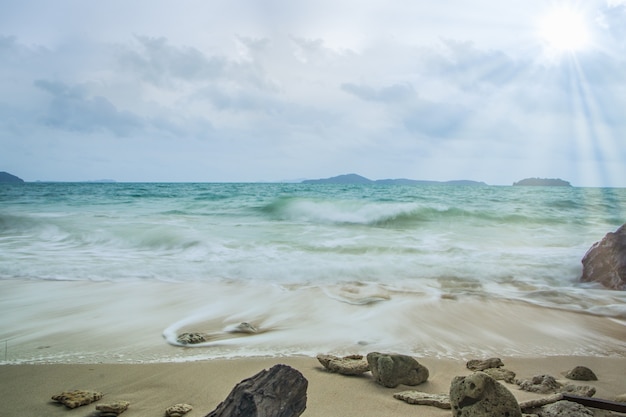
(150, 388)
(50, 322)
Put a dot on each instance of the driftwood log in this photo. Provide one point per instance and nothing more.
(277, 392)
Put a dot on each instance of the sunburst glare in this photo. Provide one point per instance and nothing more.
(564, 29)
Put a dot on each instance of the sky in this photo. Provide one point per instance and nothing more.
(269, 90)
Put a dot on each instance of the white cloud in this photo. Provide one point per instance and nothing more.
(383, 89)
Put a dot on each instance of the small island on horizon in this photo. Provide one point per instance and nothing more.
(5, 177)
(543, 182)
(358, 179)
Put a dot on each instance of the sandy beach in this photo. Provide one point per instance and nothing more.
(65, 339)
(25, 390)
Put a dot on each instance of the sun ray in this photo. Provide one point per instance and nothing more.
(594, 141)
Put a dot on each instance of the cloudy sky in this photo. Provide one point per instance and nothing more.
(267, 90)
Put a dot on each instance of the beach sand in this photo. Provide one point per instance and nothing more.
(61, 336)
(25, 390)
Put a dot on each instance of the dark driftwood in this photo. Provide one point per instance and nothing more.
(596, 403)
(277, 392)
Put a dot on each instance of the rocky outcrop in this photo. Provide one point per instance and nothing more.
(348, 365)
(76, 398)
(391, 370)
(605, 261)
(277, 392)
(581, 373)
(479, 395)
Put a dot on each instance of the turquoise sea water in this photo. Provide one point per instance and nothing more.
(247, 245)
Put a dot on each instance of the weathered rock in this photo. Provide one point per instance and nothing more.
(621, 398)
(76, 398)
(580, 390)
(482, 364)
(543, 384)
(178, 410)
(277, 392)
(538, 402)
(564, 409)
(479, 395)
(192, 338)
(348, 365)
(581, 373)
(605, 261)
(422, 398)
(112, 409)
(501, 374)
(391, 370)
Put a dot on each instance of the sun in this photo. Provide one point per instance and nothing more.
(564, 29)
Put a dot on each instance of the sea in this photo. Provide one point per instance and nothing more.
(100, 272)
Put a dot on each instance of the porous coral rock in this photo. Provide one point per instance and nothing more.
(423, 398)
(76, 398)
(580, 390)
(479, 395)
(482, 364)
(192, 338)
(501, 374)
(348, 365)
(391, 370)
(564, 409)
(542, 384)
(581, 373)
(112, 409)
(178, 410)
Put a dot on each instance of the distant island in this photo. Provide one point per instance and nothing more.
(5, 177)
(543, 182)
(358, 179)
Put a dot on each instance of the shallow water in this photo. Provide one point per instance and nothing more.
(443, 269)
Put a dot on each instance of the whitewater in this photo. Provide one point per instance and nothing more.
(117, 271)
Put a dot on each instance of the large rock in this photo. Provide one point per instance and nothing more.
(605, 261)
(479, 395)
(391, 370)
(277, 392)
